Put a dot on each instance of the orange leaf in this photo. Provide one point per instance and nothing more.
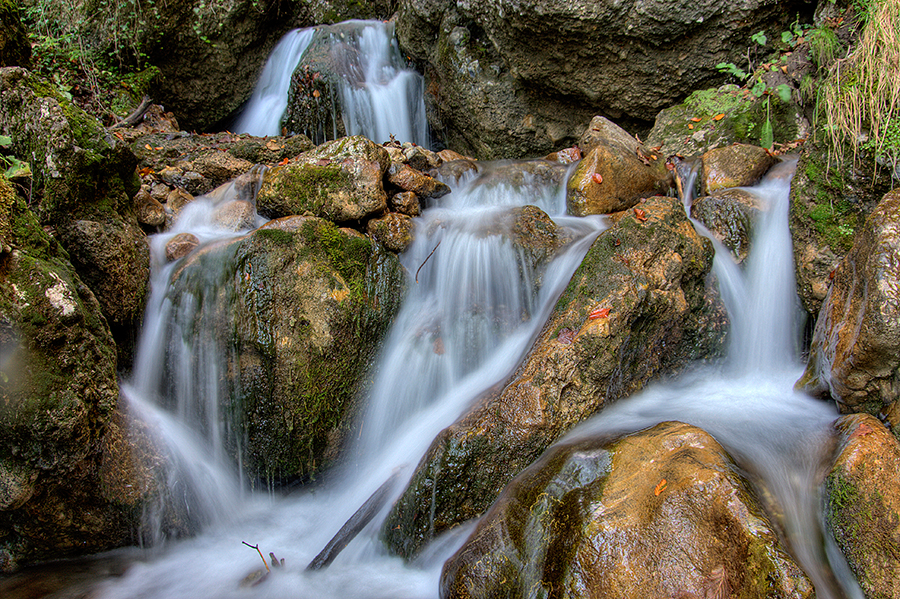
(597, 178)
(283, 162)
(640, 215)
(148, 146)
(719, 116)
(696, 119)
(145, 171)
(660, 487)
(690, 126)
(598, 313)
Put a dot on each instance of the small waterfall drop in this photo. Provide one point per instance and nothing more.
(378, 95)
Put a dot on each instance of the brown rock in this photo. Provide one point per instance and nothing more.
(149, 211)
(661, 513)
(393, 230)
(406, 202)
(729, 215)
(450, 156)
(615, 173)
(180, 246)
(410, 179)
(733, 166)
(178, 199)
(855, 351)
(235, 215)
(863, 503)
(420, 158)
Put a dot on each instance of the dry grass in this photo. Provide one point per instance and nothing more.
(861, 96)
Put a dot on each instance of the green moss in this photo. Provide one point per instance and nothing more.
(276, 236)
(713, 101)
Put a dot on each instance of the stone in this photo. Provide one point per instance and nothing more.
(235, 215)
(659, 513)
(180, 246)
(393, 230)
(340, 180)
(729, 215)
(410, 179)
(733, 166)
(149, 211)
(615, 173)
(650, 273)
(863, 504)
(855, 351)
(406, 202)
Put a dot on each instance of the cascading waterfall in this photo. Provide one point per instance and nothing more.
(378, 95)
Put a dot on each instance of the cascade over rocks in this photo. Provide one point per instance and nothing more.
(523, 79)
(637, 307)
(855, 351)
(303, 312)
(61, 491)
(863, 503)
(660, 513)
(615, 173)
(84, 182)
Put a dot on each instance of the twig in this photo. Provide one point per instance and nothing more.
(426, 260)
(134, 118)
(259, 552)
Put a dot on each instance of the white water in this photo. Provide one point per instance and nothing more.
(378, 95)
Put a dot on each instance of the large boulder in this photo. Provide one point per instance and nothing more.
(59, 493)
(524, 79)
(636, 308)
(341, 180)
(863, 503)
(84, 182)
(855, 351)
(661, 513)
(300, 315)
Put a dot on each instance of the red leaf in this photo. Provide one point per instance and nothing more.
(284, 162)
(597, 178)
(599, 313)
(640, 215)
(660, 487)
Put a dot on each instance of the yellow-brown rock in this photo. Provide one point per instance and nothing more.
(733, 166)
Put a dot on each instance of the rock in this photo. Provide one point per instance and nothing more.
(15, 50)
(235, 215)
(615, 173)
(410, 179)
(733, 166)
(729, 215)
(565, 156)
(718, 117)
(660, 513)
(406, 202)
(82, 175)
(449, 156)
(340, 180)
(393, 230)
(216, 168)
(855, 351)
(455, 170)
(58, 397)
(180, 246)
(863, 504)
(551, 65)
(149, 211)
(420, 158)
(828, 205)
(178, 199)
(650, 274)
(301, 317)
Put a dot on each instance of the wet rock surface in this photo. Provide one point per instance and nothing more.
(738, 165)
(660, 513)
(855, 351)
(729, 215)
(636, 308)
(863, 504)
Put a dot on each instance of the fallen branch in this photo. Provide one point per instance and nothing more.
(354, 525)
(135, 117)
(259, 552)
(426, 260)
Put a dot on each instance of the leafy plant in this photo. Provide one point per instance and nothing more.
(13, 166)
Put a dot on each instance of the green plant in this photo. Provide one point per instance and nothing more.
(12, 166)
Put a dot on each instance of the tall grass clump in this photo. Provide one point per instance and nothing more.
(860, 98)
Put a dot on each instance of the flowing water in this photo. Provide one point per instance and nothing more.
(472, 312)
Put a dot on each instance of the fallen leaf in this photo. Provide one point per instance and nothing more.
(316, 93)
(690, 126)
(439, 346)
(597, 178)
(598, 313)
(145, 171)
(696, 119)
(148, 146)
(719, 116)
(660, 487)
(640, 215)
(284, 162)
(566, 336)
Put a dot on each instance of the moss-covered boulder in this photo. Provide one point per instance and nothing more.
(15, 51)
(615, 172)
(340, 180)
(59, 494)
(863, 504)
(729, 215)
(301, 315)
(660, 513)
(855, 351)
(84, 182)
(636, 308)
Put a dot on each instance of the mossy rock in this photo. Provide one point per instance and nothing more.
(14, 47)
(309, 306)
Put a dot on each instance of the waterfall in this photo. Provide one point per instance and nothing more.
(378, 95)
